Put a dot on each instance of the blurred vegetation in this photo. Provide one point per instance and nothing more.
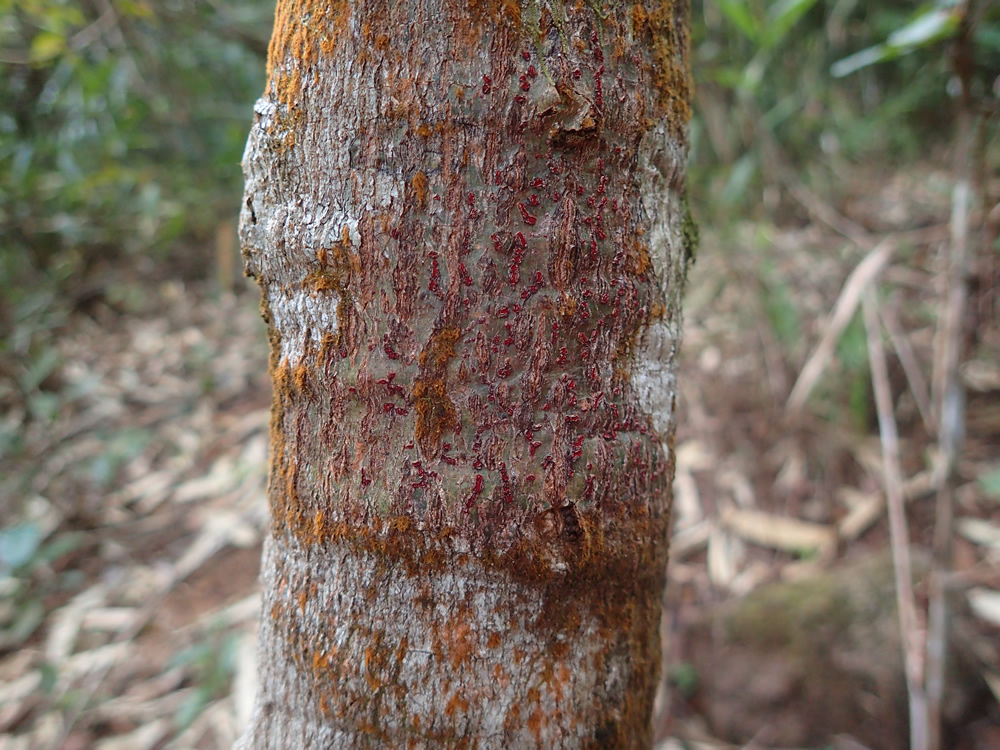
(121, 132)
(830, 84)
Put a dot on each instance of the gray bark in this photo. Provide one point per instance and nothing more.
(468, 224)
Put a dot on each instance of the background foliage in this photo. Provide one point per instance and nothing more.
(121, 131)
(775, 73)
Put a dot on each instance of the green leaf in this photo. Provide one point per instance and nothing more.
(40, 369)
(862, 59)
(738, 14)
(61, 545)
(47, 45)
(923, 30)
(781, 311)
(18, 544)
(990, 482)
(740, 176)
(988, 36)
(685, 677)
(781, 17)
(50, 676)
(192, 706)
(28, 619)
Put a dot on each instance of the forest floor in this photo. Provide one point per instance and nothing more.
(129, 558)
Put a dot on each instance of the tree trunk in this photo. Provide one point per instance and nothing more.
(468, 223)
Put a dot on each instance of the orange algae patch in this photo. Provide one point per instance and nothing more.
(441, 347)
(302, 28)
(435, 412)
(456, 704)
(419, 186)
(671, 70)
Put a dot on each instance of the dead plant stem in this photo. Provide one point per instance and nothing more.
(909, 620)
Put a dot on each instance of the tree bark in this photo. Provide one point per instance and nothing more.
(468, 222)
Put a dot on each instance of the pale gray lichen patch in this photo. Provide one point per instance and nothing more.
(302, 317)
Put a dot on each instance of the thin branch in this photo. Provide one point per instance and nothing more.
(949, 394)
(843, 311)
(94, 31)
(914, 376)
(909, 621)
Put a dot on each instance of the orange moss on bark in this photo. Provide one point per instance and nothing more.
(441, 348)
(664, 24)
(435, 412)
(302, 29)
(418, 184)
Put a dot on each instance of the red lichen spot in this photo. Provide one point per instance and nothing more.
(528, 218)
(476, 491)
(464, 274)
(487, 84)
(531, 71)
